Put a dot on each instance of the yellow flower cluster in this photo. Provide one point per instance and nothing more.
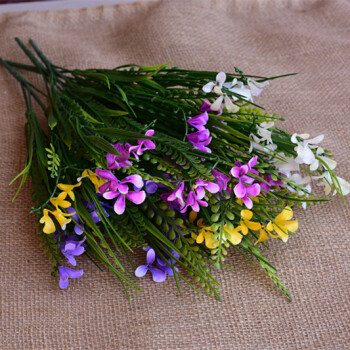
(60, 202)
(282, 225)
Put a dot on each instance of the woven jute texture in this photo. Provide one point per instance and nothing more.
(310, 37)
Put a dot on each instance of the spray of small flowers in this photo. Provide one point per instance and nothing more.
(180, 165)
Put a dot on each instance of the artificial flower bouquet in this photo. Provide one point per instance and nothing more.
(183, 164)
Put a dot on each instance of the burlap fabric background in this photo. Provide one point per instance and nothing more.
(261, 37)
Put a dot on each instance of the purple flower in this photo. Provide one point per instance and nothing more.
(66, 272)
(206, 107)
(115, 162)
(79, 226)
(72, 248)
(199, 121)
(193, 201)
(245, 186)
(202, 185)
(150, 185)
(157, 274)
(267, 187)
(221, 179)
(177, 195)
(142, 145)
(200, 139)
(119, 190)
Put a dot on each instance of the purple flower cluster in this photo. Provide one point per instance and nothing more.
(119, 189)
(194, 198)
(116, 162)
(200, 139)
(71, 248)
(157, 266)
(267, 187)
(246, 186)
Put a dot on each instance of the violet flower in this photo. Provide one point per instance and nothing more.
(115, 162)
(157, 274)
(177, 196)
(66, 272)
(200, 139)
(199, 121)
(142, 145)
(193, 201)
(202, 185)
(119, 189)
(150, 185)
(245, 186)
(267, 187)
(221, 179)
(72, 248)
(206, 107)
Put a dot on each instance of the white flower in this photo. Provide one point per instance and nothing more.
(344, 185)
(244, 93)
(217, 88)
(286, 164)
(255, 87)
(330, 162)
(265, 135)
(303, 148)
(300, 181)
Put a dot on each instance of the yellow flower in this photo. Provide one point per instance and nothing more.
(245, 222)
(263, 235)
(68, 189)
(233, 235)
(93, 178)
(49, 226)
(205, 234)
(282, 224)
(60, 201)
(61, 217)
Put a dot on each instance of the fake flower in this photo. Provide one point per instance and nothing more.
(49, 225)
(238, 88)
(72, 248)
(177, 195)
(157, 274)
(217, 88)
(66, 272)
(221, 179)
(206, 107)
(282, 224)
(199, 121)
(256, 87)
(202, 185)
(285, 164)
(98, 182)
(245, 187)
(142, 145)
(304, 148)
(327, 180)
(246, 224)
(193, 201)
(116, 162)
(60, 201)
(68, 189)
(119, 190)
(200, 139)
(233, 235)
(204, 233)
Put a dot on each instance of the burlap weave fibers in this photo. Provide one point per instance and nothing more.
(262, 37)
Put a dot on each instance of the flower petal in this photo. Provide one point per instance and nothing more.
(119, 205)
(157, 274)
(141, 270)
(136, 197)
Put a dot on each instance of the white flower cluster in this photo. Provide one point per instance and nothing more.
(237, 87)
